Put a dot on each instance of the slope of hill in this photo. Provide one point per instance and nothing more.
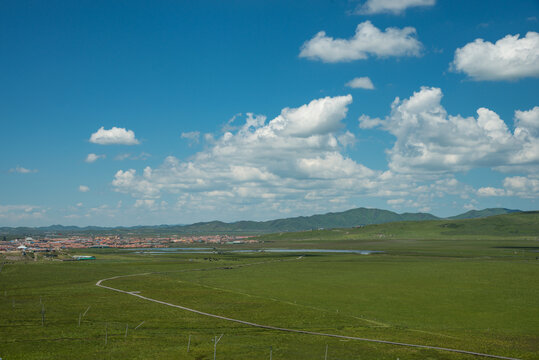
(346, 219)
(349, 218)
(507, 226)
(473, 214)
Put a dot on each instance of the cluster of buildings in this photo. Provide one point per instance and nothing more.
(215, 239)
(55, 243)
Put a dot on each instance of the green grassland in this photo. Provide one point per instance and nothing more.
(472, 286)
(470, 237)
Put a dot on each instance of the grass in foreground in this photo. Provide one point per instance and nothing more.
(476, 294)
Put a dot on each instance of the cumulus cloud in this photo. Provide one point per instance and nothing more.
(527, 122)
(522, 186)
(391, 6)
(21, 212)
(114, 136)
(24, 208)
(192, 136)
(429, 140)
(421, 193)
(266, 165)
(127, 156)
(366, 122)
(332, 165)
(93, 157)
(367, 41)
(490, 191)
(297, 163)
(360, 83)
(321, 116)
(84, 188)
(470, 207)
(150, 204)
(22, 170)
(123, 156)
(510, 58)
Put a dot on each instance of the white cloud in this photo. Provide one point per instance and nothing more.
(127, 156)
(296, 163)
(114, 136)
(346, 139)
(429, 140)
(366, 122)
(525, 187)
(123, 156)
(527, 122)
(22, 170)
(21, 212)
(84, 188)
(391, 6)
(332, 165)
(368, 40)
(24, 208)
(264, 166)
(192, 136)
(510, 58)
(149, 203)
(93, 157)
(469, 207)
(319, 117)
(360, 83)
(490, 191)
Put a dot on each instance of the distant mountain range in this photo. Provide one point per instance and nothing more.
(345, 219)
(474, 214)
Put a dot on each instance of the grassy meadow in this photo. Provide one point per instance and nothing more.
(464, 291)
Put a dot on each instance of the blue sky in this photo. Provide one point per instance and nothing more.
(135, 112)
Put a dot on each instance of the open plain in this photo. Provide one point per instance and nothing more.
(466, 292)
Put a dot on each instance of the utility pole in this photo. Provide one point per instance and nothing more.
(271, 351)
(43, 315)
(215, 346)
(189, 343)
(106, 333)
(326, 356)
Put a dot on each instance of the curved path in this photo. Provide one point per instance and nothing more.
(136, 294)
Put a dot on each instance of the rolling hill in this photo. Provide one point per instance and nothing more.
(473, 214)
(346, 219)
(515, 225)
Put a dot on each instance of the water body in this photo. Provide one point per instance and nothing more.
(213, 251)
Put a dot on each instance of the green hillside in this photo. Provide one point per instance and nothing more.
(473, 214)
(515, 225)
(346, 219)
(350, 218)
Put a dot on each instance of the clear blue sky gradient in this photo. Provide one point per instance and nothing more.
(165, 68)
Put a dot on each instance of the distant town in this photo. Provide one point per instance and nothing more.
(57, 242)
